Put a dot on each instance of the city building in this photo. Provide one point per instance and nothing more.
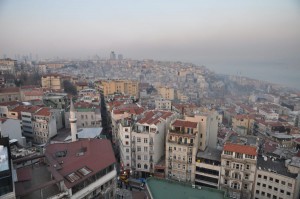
(163, 104)
(208, 168)
(238, 166)
(182, 144)
(56, 100)
(127, 87)
(44, 125)
(52, 81)
(8, 66)
(88, 115)
(166, 92)
(7, 188)
(79, 169)
(274, 179)
(10, 94)
(5, 107)
(11, 128)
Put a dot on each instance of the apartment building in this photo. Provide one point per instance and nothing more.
(208, 124)
(163, 104)
(148, 141)
(8, 66)
(7, 106)
(208, 168)
(44, 125)
(88, 115)
(27, 123)
(166, 92)
(238, 166)
(10, 94)
(242, 124)
(182, 144)
(52, 81)
(274, 179)
(127, 87)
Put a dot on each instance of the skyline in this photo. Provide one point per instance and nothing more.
(215, 34)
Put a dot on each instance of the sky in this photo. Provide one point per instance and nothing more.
(216, 33)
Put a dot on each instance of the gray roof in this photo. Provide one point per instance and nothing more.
(210, 154)
(276, 166)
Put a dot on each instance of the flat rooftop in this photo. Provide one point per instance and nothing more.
(210, 154)
(276, 166)
(160, 188)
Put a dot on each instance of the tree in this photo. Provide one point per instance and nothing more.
(69, 87)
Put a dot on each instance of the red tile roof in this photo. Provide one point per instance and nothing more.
(187, 124)
(45, 111)
(23, 108)
(154, 117)
(97, 156)
(85, 105)
(10, 90)
(12, 103)
(245, 149)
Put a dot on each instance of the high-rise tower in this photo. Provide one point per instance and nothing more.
(73, 122)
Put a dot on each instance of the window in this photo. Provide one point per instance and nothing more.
(139, 157)
(276, 180)
(138, 139)
(281, 191)
(263, 193)
(290, 185)
(274, 197)
(268, 195)
(270, 187)
(178, 166)
(247, 176)
(288, 193)
(127, 150)
(245, 186)
(257, 191)
(258, 184)
(275, 189)
(190, 159)
(239, 155)
(228, 152)
(145, 157)
(139, 165)
(138, 148)
(283, 182)
(225, 181)
(259, 176)
(271, 179)
(227, 173)
(227, 163)
(265, 177)
(183, 166)
(249, 156)
(247, 166)
(145, 166)
(127, 157)
(145, 140)
(126, 136)
(145, 149)
(264, 185)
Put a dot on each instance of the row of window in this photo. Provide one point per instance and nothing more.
(269, 195)
(238, 166)
(239, 155)
(269, 187)
(259, 176)
(86, 117)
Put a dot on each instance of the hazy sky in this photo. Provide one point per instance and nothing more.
(208, 32)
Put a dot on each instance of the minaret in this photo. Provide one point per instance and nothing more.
(73, 122)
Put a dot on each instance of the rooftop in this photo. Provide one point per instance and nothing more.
(154, 117)
(245, 149)
(160, 188)
(276, 166)
(183, 123)
(92, 154)
(210, 153)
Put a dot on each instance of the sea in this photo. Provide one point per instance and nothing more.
(281, 74)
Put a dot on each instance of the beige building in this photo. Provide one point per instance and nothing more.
(52, 81)
(163, 104)
(208, 128)
(166, 92)
(242, 124)
(7, 66)
(274, 180)
(127, 87)
(238, 167)
(10, 94)
(182, 144)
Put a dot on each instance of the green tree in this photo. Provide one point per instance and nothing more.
(69, 87)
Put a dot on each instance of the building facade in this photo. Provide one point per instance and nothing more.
(127, 87)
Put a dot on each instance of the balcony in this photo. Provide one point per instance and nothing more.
(151, 143)
(151, 151)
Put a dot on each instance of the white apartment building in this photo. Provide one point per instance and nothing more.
(238, 167)
(44, 125)
(163, 104)
(274, 180)
(141, 141)
(181, 149)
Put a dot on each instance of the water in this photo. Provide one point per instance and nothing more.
(274, 73)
